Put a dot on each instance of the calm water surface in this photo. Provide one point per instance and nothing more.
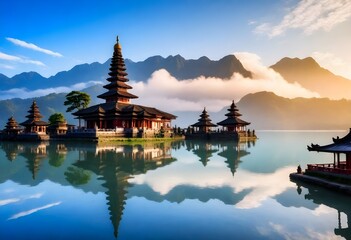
(172, 190)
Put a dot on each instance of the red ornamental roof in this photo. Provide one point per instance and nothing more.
(339, 145)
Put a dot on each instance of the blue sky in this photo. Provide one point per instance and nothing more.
(48, 37)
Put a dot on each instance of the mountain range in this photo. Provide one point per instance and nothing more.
(177, 66)
(265, 110)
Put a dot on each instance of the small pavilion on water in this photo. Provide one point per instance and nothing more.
(338, 147)
(233, 123)
(233, 128)
(204, 125)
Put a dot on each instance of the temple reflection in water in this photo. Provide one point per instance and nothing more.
(319, 196)
(231, 151)
(113, 164)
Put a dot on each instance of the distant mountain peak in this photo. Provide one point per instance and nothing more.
(310, 75)
(307, 62)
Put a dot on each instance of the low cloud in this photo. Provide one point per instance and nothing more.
(33, 47)
(8, 57)
(310, 16)
(25, 93)
(163, 90)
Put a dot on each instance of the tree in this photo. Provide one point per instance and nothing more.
(77, 100)
(56, 118)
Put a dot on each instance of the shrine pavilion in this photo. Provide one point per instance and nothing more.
(118, 114)
(233, 128)
(233, 123)
(204, 125)
(34, 127)
(12, 129)
(338, 147)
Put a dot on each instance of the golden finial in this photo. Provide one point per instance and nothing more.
(117, 45)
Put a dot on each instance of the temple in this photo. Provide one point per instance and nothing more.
(204, 125)
(34, 127)
(233, 123)
(118, 114)
(233, 128)
(334, 175)
(338, 147)
(12, 129)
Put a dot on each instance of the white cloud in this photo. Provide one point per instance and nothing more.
(33, 47)
(7, 57)
(25, 93)
(310, 16)
(34, 210)
(13, 200)
(163, 90)
(306, 234)
(8, 201)
(261, 186)
(6, 66)
(333, 63)
(323, 209)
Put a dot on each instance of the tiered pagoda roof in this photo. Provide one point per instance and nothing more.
(233, 117)
(117, 88)
(204, 120)
(34, 117)
(12, 125)
(117, 97)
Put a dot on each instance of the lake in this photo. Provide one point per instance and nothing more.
(170, 190)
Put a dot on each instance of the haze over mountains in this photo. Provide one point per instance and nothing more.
(265, 110)
(177, 66)
(310, 75)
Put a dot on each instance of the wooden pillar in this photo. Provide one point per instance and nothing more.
(338, 159)
(348, 160)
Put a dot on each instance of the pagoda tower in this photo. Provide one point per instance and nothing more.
(12, 128)
(204, 123)
(117, 114)
(34, 124)
(233, 123)
(117, 87)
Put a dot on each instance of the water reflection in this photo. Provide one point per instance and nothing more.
(116, 164)
(112, 164)
(231, 151)
(212, 189)
(339, 202)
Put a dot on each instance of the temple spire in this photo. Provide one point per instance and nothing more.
(117, 86)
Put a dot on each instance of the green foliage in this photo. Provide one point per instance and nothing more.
(56, 118)
(76, 100)
(77, 176)
(56, 160)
